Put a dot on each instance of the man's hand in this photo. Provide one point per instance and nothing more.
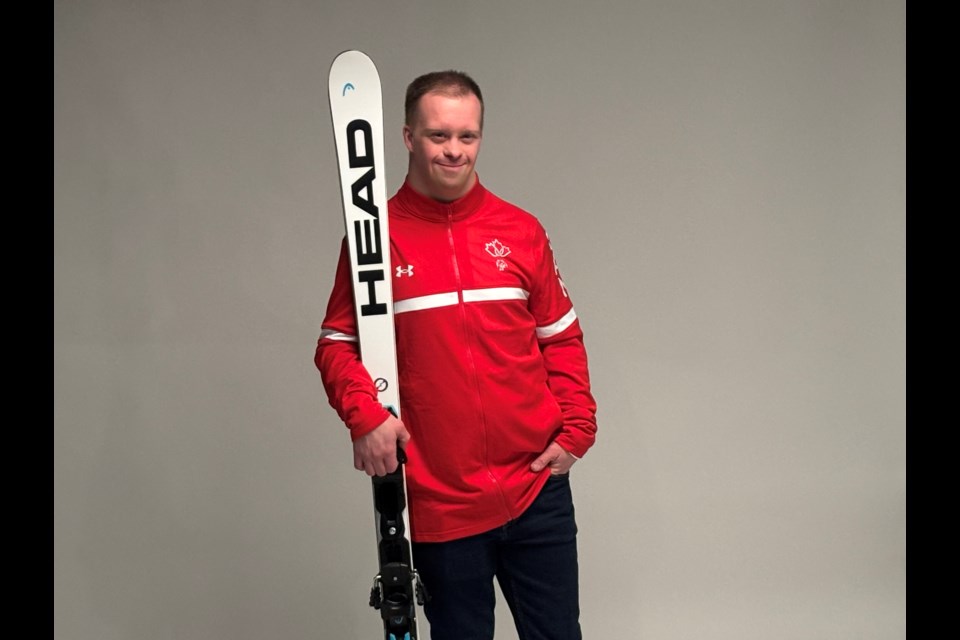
(558, 459)
(376, 452)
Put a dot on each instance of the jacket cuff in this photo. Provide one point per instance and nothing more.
(574, 443)
(371, 418)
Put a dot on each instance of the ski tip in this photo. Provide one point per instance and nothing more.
(352, 71)
(351, 55)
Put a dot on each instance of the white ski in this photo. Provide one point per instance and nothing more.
(357, 111)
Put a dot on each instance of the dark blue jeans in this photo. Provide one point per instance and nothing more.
(534, 558)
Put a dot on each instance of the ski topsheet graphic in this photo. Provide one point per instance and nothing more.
(357, 111)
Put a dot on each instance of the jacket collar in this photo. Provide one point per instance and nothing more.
(421, 206)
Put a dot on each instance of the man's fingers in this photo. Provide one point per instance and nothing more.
(377, 465)
(376, 452)
(403, 436)
(555, 457)
(389, 462)
(541, 462)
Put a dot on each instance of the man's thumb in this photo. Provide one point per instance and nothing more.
(540, 463)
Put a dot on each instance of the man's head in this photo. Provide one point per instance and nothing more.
(444, 124)
(454, 84)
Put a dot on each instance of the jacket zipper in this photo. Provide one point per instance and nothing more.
(472, 362)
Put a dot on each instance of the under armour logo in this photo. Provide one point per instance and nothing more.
(408, 271)
(497, 249)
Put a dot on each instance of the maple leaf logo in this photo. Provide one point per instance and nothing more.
(497, 249)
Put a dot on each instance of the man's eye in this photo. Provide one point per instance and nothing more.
(437, 137)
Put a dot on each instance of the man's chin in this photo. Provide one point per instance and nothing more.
(455, 187)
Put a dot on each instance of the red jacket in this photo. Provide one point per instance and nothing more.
(490, 354)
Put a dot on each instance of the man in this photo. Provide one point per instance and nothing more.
(493, 382)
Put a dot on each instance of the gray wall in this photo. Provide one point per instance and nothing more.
(724, 184)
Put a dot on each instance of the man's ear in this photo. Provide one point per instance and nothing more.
(408, 137)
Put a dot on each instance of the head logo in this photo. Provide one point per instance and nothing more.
(381, 384)
(365, 235)
(347, 86)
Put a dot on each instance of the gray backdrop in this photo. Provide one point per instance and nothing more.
(724, 184)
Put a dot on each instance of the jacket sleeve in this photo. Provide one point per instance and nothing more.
(564, 355)
(349, 387)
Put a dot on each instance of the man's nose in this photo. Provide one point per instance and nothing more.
(452, 148)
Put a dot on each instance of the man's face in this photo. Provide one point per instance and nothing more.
(444, 142)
